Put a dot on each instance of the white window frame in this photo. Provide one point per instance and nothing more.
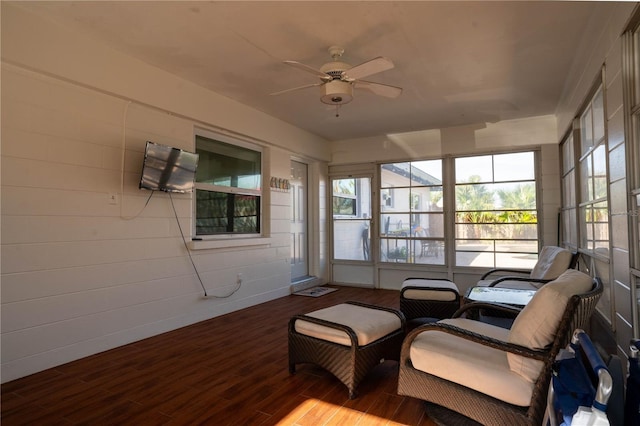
(537, 209)
(353, 197)
(230, 190)
(412, 242)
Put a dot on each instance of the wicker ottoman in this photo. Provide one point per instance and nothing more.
(429, 298)
(347, 340)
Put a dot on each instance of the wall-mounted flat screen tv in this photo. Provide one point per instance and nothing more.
(168, 169)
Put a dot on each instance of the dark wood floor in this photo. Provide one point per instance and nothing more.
(230, 370)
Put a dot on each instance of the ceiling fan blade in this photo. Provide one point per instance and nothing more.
(379, 88)
(309, 69)
(368, 68)
(295, 88)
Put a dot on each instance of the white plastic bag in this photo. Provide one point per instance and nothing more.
(587, 416)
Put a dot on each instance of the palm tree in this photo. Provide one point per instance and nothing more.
(520, 208)
(472, 202)
(522, 197)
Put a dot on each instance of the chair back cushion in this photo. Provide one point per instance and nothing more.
(536, 325)
(552, 262)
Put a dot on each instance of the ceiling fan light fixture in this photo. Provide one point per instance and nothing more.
(337, 78)
(336, 92)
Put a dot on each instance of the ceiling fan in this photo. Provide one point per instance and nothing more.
(338, 79)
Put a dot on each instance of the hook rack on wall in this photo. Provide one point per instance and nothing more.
(279, 184)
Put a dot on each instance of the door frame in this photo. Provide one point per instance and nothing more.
(370, 266)
(307, 222)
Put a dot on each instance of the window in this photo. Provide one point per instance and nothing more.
(345, 197)
(228, 188)
(586, 204)
(594, 217)
(351, 218)
(387, 197)
(568, 211)
(411, 212)
(496, 219)
(634, 154)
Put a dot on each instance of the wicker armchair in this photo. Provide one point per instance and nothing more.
(552, 262)
(471, 370)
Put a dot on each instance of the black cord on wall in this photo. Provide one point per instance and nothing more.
(192, 262)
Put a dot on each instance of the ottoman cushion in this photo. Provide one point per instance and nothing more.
(368, 324)
(426, 292)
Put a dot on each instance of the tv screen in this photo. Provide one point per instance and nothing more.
(168, 169)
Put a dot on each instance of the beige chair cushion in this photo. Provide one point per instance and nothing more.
(479, 327)
(475, 366)
(552, 262)
(426, 291)
(536, 325)
(368, 324)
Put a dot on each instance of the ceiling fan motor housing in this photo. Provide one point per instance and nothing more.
(337, 78)
(336, 92)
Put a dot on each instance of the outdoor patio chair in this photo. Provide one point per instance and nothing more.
(495, 376)
(552, 261)
(428, 247)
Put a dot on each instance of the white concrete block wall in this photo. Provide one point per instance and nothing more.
(78, 276)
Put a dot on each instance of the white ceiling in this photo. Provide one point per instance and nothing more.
(458, 62)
